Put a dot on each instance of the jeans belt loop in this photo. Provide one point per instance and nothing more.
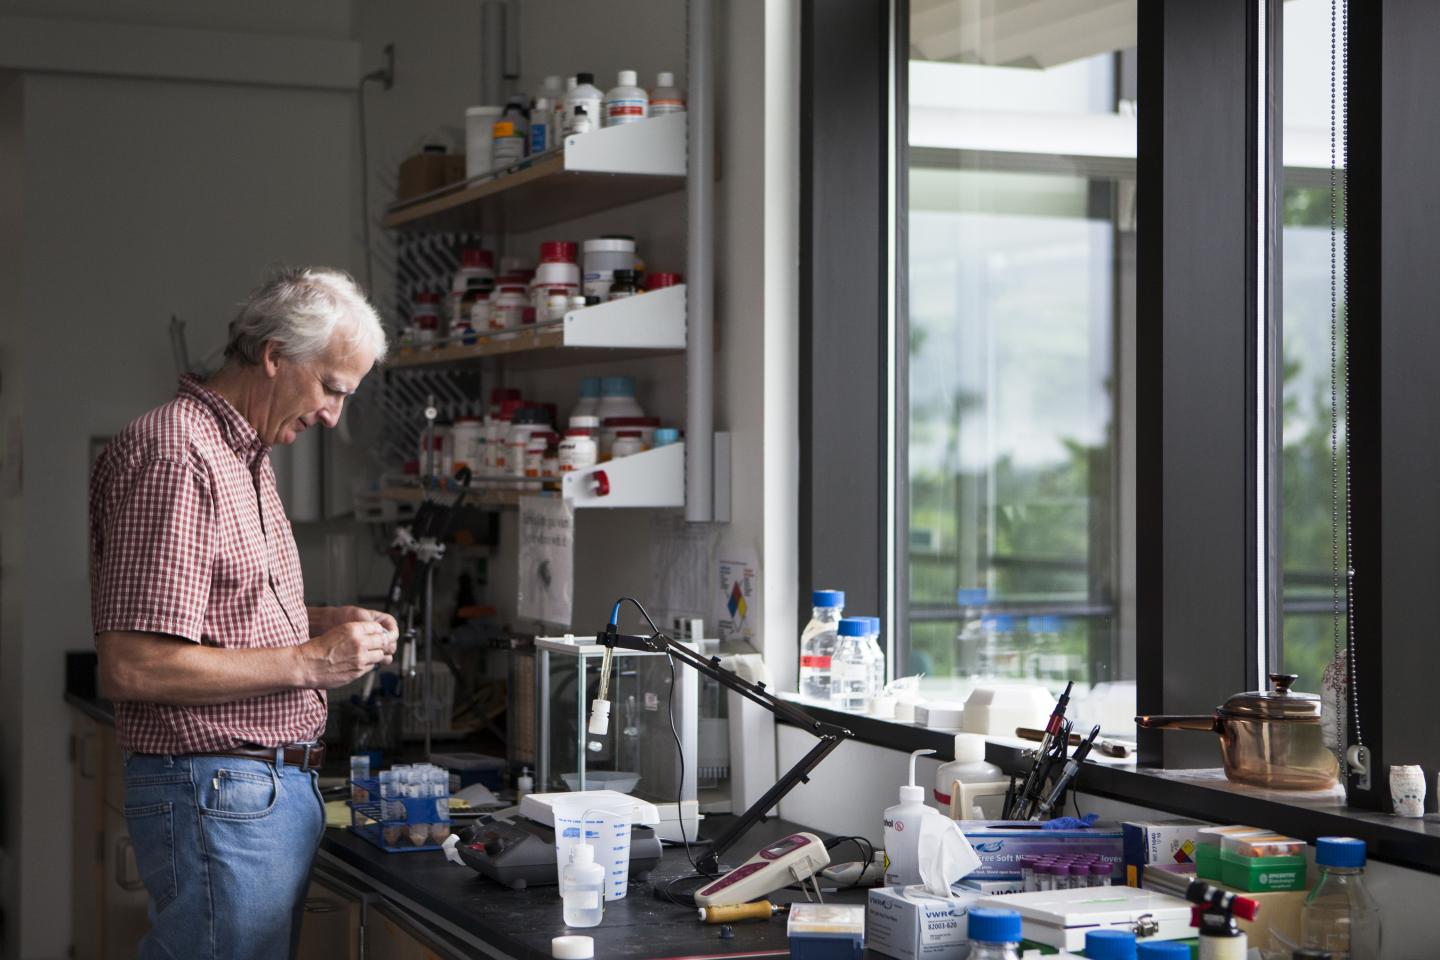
(305, 766)
(280, 758)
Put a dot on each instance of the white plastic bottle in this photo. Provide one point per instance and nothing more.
(524, 784)
(543, 133)
(518, 116)
(626, 102)
(666, 98)
(583, 888)
(586, 95)
(559, 116)
(850, 671)
(968, 767)
(589, 401)
(902, 831)
(817, 643)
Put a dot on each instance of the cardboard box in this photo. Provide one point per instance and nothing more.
(1001, 843)
(429, 171)
(1157, 841)
(918, 927)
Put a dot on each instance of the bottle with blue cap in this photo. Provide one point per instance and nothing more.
(994, 934)
(1340, 915)
(817, 644)
(850, 666)
(1110, 945)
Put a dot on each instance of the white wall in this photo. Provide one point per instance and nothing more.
(142, 199)
(839, 800)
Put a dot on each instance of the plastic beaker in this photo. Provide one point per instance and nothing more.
(604, 826)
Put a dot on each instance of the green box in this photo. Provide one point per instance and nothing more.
(1207, 861)
(1258, 874)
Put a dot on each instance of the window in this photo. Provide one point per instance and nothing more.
(1019, 303)
(1307, 524)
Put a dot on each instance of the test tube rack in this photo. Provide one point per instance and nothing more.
(371, 817)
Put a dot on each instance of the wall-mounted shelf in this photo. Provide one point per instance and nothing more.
(481, 496)
(605, 168)
(637, 326)
(655, 478)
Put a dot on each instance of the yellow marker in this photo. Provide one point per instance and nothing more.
(759, 910)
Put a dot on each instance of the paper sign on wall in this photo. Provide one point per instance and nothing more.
(547, 560)
(737, 585)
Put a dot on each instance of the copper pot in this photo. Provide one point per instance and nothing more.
(1269, 738)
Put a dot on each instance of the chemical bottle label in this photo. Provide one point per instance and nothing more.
(624, 111)
(815, 662)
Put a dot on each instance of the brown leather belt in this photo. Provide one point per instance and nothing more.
(306, 756)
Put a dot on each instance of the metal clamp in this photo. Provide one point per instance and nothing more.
(1146, 925)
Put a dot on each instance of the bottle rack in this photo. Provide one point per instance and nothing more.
(368, 817)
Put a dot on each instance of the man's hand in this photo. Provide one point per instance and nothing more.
(347, 651)
(323, 619)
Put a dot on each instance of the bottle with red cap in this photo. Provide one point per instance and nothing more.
(475, 278)
(510, 304)
(658, 281)
(557, 275)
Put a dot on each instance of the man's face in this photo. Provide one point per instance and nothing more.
(304, 394)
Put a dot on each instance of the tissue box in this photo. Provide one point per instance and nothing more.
(1001, 843)
(922, 928)
(1157, 841)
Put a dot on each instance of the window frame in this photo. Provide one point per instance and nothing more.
(848, 318)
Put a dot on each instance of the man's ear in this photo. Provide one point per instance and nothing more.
(270, 359)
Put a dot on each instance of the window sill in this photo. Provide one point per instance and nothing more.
(1199, 794)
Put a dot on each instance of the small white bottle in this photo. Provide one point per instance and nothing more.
(626, 102)
(968, 767)
(666, 98)
(587, 96)
(584, 888)
(559, 117)
(902, 831)
(524, 784)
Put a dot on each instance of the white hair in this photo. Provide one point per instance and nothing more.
(300, 309)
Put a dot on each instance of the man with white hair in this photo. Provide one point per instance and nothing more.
(217, 668)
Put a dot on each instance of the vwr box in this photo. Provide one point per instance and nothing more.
(920, 926)
(1001, 843)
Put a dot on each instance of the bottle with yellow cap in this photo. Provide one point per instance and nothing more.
(507, 145)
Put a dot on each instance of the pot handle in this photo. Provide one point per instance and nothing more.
(1207, 722)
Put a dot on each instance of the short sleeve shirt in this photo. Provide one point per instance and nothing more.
(188, 538)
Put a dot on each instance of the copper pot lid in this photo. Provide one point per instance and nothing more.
(1277, 703)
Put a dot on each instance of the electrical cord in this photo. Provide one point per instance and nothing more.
(866, 850)
(688, 900)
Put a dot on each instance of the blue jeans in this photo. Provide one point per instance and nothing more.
(225, 846)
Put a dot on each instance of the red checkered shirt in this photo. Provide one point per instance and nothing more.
(188, 538)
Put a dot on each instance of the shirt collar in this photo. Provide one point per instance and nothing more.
(237, 431)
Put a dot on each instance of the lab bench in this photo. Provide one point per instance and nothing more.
(468, 915)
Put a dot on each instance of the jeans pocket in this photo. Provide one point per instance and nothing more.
(152, 834)
(233, 794)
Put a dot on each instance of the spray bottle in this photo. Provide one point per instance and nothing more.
(902, 831)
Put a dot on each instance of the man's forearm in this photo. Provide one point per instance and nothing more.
(145, 667)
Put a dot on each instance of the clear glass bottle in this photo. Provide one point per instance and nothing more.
(994, 934)
(1340, 915)
(850, 666)
(817, 643)
(875, 657)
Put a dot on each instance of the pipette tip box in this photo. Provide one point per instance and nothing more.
(822, 931)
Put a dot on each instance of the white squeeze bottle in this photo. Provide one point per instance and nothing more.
(817, 644)
(585, 94)
(584, 888)
(902, 831)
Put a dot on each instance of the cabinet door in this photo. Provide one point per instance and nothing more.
(124, 897)
(331, 927)
(87, 831)
(390, 936)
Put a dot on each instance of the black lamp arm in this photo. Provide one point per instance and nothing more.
(830, 735)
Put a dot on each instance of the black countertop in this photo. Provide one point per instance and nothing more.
(521, 924)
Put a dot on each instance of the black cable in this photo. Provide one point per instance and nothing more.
(863, 846)
(679, 752)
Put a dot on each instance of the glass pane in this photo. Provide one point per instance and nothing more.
(1021, 245)
(1309, 550)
